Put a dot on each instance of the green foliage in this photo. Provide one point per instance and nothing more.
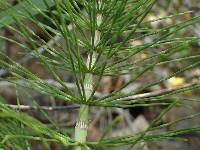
(93, 28)
(30, 125)
(20, 10)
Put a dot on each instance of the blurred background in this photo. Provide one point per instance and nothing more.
(133, 120)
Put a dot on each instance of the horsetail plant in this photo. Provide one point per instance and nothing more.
(101, 31)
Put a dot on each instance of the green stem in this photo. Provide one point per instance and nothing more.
(82, 122)
(81, 126)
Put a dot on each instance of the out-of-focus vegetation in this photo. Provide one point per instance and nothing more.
(133, 64)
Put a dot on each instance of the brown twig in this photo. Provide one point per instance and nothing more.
(47, 108)
(160, 92)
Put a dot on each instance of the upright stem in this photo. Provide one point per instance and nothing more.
(82, 122)
(81, 126)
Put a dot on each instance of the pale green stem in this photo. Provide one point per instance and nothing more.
(82, 122)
